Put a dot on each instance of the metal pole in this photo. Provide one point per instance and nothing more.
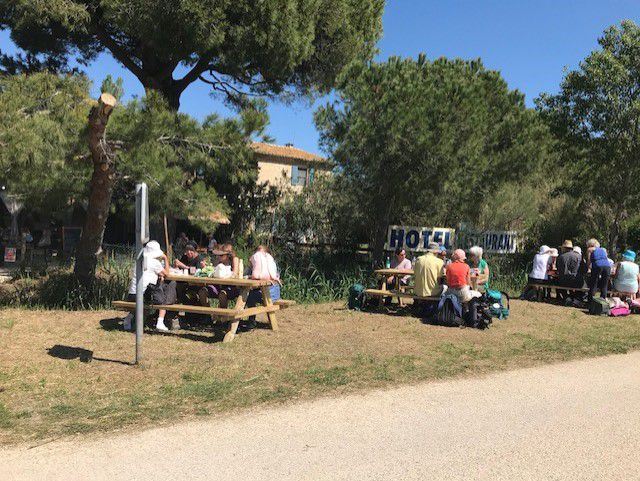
(142, 237)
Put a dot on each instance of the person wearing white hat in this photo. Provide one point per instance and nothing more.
(156, 289)
(541, 262)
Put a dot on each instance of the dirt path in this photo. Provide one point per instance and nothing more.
(579, 420)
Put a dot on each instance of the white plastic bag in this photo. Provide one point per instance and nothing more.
(222, 271)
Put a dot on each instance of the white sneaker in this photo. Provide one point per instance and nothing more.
(161, 327)
(127, 322)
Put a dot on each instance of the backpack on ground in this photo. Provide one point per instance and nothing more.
(496, 302)
(356, 297)
(449, 311)
(619, 311)
(599, 307)
(478, 315)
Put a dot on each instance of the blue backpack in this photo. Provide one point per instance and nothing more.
(356, 297)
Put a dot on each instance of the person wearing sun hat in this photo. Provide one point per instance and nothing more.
(568, 265)
(627, 276)
(156, 289)
(541, 262)
(428, 271)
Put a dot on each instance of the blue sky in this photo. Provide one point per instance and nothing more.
(529, 42)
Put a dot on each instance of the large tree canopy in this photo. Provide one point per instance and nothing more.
(429, 142)
(597, 117)
(235, 45)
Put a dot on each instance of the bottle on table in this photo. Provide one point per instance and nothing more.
(387, 263)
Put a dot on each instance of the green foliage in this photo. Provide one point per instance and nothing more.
(193, 169)
(261, 47)
(596, 117)
(448, 130)
(42, 148)
(113, 87)
(322, 213)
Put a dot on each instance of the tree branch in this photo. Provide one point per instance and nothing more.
(119, 53)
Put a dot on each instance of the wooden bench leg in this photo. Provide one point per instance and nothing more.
(266, 300)
(233, 325)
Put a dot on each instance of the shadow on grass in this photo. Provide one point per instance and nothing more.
(69, 353)
(195, 329)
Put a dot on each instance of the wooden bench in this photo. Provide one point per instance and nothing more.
(232, 315)
(540, 288)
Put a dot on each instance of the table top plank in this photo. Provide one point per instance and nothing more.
(208, 281)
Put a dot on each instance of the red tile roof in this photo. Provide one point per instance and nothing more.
(284, 151)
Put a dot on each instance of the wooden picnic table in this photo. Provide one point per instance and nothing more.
(399, 273)
(245, 286)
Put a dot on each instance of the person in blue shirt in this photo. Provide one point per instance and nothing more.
(600, 272)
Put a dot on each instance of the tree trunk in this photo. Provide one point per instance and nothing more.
(100, 191)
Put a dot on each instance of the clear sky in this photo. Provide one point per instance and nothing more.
(529, 42)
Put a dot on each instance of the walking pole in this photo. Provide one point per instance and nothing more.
(142, 237)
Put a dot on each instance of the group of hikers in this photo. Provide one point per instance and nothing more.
(220, 261)
(593, 269)
(435, 272)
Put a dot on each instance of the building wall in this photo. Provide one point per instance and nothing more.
(275, 174)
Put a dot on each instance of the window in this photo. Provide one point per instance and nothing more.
(298, 175)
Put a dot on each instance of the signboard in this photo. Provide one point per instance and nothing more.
(492, 242)
(418, 238)
(9, 254)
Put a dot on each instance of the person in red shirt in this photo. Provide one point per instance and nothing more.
(459, 276)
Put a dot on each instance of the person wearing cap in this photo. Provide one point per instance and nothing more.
(442, 254)
(479, 265)
(156, 289)
(428, 271)
(190, 258)
(459, 277)
(600, 272)
(569, 265)
(192, 261)
(627, 276)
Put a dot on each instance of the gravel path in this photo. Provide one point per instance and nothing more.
(578, 420)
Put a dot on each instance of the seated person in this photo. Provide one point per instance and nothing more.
(442, 254)
(627, 275)
(191, 260)
(479, 266)
(428, 270)
(263, 267)
(459, 277)
(156, 289)
(569, 266)
(225, 257)
(541, 264)
(400, 262)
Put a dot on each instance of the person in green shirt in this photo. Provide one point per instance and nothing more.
(479, 266)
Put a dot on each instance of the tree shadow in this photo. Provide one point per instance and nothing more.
(69, 353)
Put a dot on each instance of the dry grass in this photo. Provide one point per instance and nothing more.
(319, 350)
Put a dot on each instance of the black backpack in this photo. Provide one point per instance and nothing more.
(479, 313)
(447, 314)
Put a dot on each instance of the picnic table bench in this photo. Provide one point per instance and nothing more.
(555, 287)
(232, 315)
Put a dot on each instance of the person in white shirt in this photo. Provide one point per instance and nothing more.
(156, 289)
(541, 263)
